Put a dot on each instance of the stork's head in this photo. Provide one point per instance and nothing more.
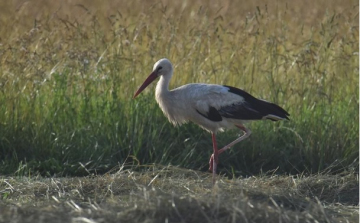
(162, 67)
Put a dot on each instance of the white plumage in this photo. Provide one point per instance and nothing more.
(183, 104)
(213, 107)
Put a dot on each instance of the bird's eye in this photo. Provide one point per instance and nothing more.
(159, 68)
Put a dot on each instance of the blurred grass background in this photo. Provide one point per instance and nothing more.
(69, 70)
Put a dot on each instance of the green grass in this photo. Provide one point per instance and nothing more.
(67, 78)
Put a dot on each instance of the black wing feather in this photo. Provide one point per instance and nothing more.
(251, 108)
(212, 114)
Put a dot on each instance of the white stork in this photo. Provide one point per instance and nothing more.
(213, 107)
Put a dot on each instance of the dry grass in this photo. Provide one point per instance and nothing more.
(171, 194)
(68, 70)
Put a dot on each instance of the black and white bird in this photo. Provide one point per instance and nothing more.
(213, 107)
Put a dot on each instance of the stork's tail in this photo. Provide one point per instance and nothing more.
(274, 112)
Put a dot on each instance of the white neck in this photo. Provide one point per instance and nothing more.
(162, 86)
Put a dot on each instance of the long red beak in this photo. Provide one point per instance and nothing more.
(148, 81)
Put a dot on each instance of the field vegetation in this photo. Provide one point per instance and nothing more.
(72, 139)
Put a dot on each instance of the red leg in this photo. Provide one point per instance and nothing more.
(211, 161)
(215, 151)
(214, 159)
(247, 133)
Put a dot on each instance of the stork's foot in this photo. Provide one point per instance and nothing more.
(211, 162)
